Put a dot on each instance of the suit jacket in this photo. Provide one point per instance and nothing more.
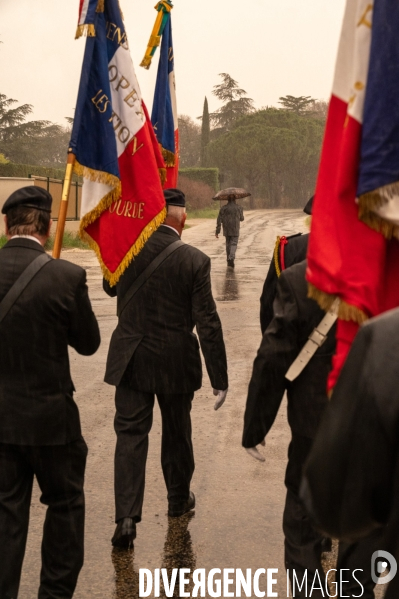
(295, 317)
(54, 311)
(352, 472)
(153, 347)
(230, 216)
(351, 479)
(295, 251)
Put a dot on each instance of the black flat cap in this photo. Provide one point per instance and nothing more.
(174, 197)
(309, 206)
(31, 197)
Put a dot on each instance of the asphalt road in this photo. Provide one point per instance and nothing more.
(237, 521)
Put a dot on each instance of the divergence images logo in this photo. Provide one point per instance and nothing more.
(381, 561)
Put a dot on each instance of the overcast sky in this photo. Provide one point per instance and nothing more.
(271, 47)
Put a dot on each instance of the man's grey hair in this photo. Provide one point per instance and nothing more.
(176, 212)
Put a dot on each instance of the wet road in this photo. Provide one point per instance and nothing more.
(237, 522)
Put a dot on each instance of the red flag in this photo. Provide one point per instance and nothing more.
(116, 150)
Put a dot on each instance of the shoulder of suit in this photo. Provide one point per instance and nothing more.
(294, 279)
(388, 321)
(67, 268)
(283, 240)
(194, 252)
(286, 250)
(296, 270)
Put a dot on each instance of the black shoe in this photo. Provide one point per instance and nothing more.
(179, 510)
(125, 533)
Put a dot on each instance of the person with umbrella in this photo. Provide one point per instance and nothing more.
(230, 216)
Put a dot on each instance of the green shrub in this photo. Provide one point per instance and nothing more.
(209, 176)
(210, 212)
(198, 194)
(70, 240)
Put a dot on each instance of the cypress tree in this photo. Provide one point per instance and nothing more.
(205, 132)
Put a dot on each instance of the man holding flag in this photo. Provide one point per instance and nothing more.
(153, 350)
(163, 294)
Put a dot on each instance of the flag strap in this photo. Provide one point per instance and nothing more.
(314, 342)
(164, 7)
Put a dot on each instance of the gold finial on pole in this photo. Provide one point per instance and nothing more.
(164, 7)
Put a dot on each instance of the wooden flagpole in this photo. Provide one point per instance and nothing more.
(63, 206)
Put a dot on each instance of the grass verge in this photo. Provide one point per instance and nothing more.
(70, 240)
(203, 213)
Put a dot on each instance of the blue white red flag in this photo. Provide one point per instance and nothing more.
(87, 13)
(116, 150)
(378, 186)
(356, 205)
(164, 111)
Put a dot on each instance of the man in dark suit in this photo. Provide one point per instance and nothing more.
(295, 317)
(351, 479)
(287, 252)
(154, 351)
(40, 431)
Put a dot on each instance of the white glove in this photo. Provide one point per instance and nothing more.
(221, 396)
(254, 453)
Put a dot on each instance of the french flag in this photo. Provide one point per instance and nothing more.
(115, 148)
(164, 111)
(352, 254)
(87, 12)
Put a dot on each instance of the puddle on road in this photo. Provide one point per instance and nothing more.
(230, 290)
(178, 553)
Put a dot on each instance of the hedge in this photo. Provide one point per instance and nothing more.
(209, 176)
(24, 170)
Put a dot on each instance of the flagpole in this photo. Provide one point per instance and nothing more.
(163, 7)
(63, 206)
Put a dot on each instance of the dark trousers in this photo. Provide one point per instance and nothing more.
(59, 470)
(304, 545)
(231, 246)
(133, 421)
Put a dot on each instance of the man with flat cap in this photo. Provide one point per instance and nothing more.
(44, 307)
(162, 295)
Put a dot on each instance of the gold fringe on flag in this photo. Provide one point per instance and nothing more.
(275, 257)
(111, 197)
(98, 177)
(168, 156)
(88, 30)
(345, 311)
(113, 277)
(163, 175)
(372, 201)
(100, 6)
